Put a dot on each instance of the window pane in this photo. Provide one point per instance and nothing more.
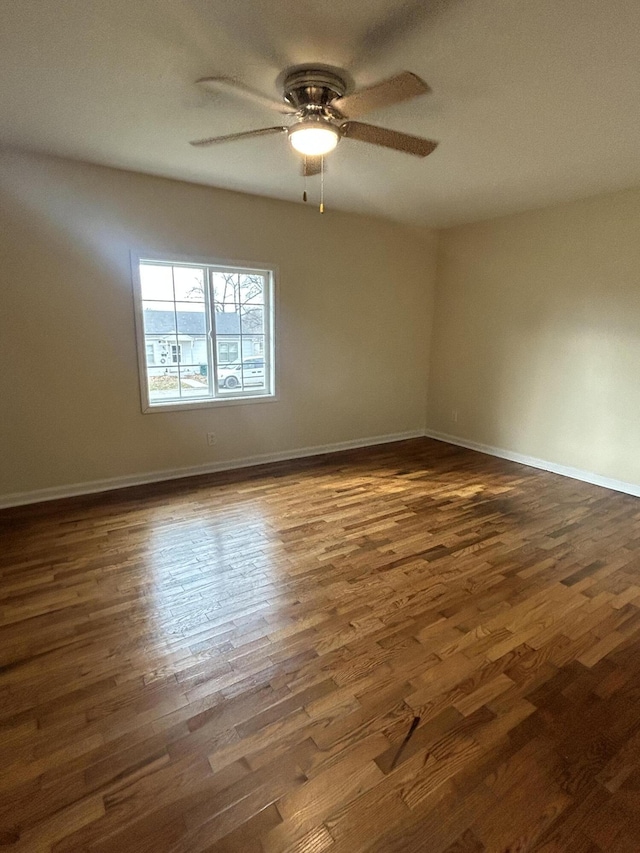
(199, 352)
(192, 318)
(230, 377)
(253, 375)
(163, 384)
(189, 284)
(251, 290)
(193, 382)
(162, 351)
(159, 319)
(227, 320)
(252, 320)
(228, 349)
(252, 346)
(226, 287)
(156, 281)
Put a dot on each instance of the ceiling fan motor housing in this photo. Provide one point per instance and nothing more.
(310, 90)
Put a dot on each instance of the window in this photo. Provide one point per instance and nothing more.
(205, 333)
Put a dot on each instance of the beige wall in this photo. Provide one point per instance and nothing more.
(353, 323)
(537, 335)
(536, 341)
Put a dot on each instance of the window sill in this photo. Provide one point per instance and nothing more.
(184, 406)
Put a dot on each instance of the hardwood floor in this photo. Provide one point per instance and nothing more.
(231, 663)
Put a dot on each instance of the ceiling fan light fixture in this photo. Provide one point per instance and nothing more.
(314, 138)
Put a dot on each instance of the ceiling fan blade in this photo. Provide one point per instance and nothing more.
(312, 166)
(405, 19)
(230, 84)
(416, 145)
(214, 140)
(392, 91)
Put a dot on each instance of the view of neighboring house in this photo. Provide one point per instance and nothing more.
(181, 337)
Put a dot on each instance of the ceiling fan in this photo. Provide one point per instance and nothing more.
(323, 113)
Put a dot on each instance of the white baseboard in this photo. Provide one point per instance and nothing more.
(533, 462)
(93, 486)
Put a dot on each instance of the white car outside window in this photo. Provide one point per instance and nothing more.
(249, 372)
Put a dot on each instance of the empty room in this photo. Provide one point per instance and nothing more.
(320, 426)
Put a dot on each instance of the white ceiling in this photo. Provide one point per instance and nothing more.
(534, 101)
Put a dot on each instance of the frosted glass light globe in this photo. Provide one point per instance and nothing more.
(313, 139)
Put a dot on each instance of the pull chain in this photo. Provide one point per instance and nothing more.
(322, 184)
(304, 194)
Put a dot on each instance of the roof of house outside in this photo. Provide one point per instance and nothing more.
(189, 323)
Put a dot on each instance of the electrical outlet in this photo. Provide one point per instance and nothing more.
(454, 416)
(211, 439)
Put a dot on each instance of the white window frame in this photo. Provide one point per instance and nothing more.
(220, 398)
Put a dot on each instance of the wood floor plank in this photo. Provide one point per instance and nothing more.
(232, 662)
